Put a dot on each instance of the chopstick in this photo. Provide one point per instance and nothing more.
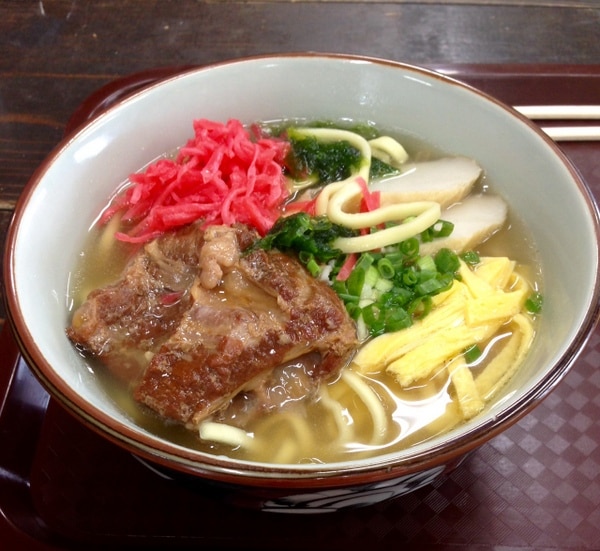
(573, 133)
(565, 112)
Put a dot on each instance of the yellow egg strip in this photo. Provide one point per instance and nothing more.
(471, 312)
(383, 350)
(467, 395)
(503, 366)
(432, 354)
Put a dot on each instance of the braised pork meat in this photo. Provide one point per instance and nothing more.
(123, 322)
(206, 322)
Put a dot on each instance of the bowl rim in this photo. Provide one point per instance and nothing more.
(236, 471)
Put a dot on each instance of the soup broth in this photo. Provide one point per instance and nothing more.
(356, 415)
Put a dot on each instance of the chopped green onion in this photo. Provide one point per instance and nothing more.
(305, 257)
(348, 298)
(472, 354)
(397, 260)
(420, 307)
(398, 319)
(471, 258)
(364, 262)
(354, 310)
(409, 278)
(339, 287)
(442, 228)
(426, 264)
(385, 268)
(370, 316)
(410, 247)
(383, 285)
(429, 286)
(372, 276)
(356, 281)
(534, 303)
(313, 267)
(447, 261)
(308, 259)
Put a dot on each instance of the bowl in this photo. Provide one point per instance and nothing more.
(63, 197)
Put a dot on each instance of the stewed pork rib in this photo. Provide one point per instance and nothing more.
(123, 322)
(236, 319)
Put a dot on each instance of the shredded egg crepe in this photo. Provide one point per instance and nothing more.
(486, 298)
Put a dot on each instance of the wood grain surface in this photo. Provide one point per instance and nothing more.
(55, 53)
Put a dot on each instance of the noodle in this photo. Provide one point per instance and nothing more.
(371, 401)
(336, 196)
(226, 434)
(389, 151)
(345, 431)
(297, 435)
(421, 214)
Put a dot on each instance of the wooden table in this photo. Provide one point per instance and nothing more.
(538, 485)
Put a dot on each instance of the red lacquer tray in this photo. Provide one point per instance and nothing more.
(535, 486)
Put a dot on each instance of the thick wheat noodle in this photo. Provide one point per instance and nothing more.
(285, 452)
(324, 197)
(426, 213)
(388, 150)
(371, 401)
(299, 435)
(225, 434)
(339, 135)
(345, 431)
(334, 197)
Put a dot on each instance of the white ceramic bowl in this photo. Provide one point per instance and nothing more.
(63, 199)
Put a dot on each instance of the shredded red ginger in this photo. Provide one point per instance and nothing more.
(221, 176)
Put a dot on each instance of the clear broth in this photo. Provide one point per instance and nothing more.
(307, 432)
